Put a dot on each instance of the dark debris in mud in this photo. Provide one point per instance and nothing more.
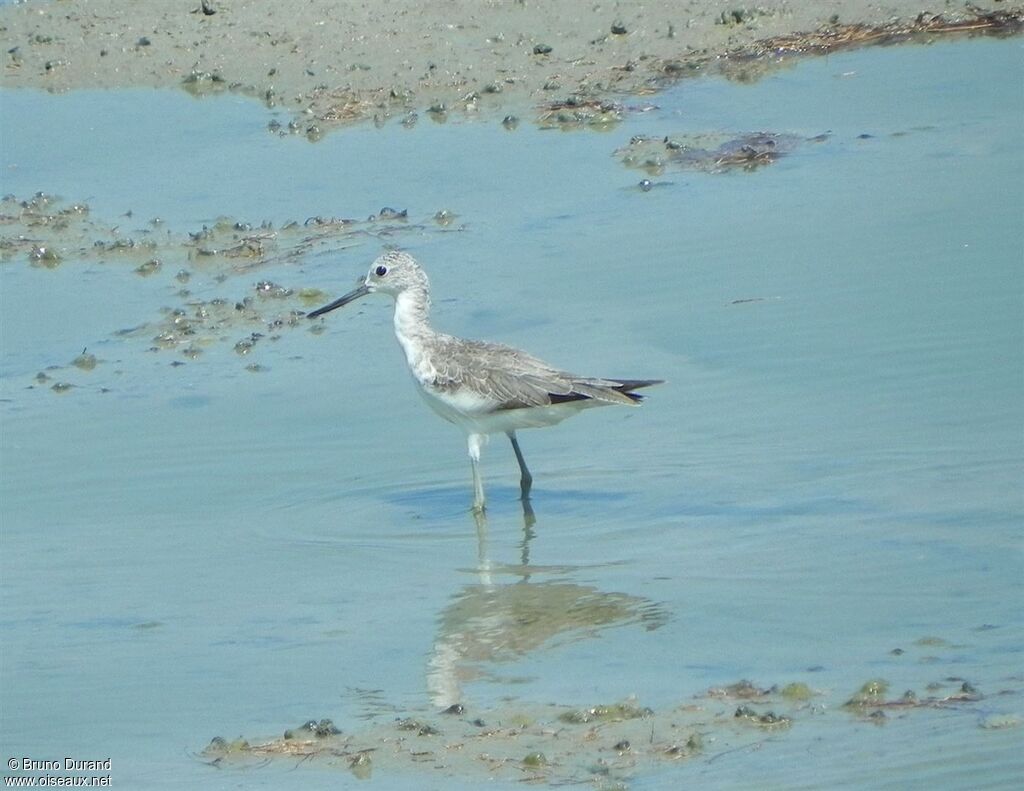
(216, 292)
(758, 58)
(710, 153)
(598, 105)
(604, 746)
(514, 76)
(971, 21)
(529, 743)
(579, 112)
(873, 701)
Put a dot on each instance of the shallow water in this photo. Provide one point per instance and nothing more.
(831, 472)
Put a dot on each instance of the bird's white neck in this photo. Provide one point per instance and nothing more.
(412, 324)
(412, 313)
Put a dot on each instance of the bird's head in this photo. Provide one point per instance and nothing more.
(391, 273)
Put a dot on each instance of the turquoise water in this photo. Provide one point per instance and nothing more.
(832, 471)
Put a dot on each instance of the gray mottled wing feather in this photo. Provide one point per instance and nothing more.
(514, 379)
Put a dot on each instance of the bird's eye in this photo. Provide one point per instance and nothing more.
(380, 271)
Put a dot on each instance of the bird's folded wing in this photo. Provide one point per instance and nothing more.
(512, 379)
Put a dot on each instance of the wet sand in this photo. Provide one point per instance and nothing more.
(334, 62)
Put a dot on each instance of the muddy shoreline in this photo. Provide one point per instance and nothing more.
(341, 62)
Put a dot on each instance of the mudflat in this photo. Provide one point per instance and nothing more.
(332, 62)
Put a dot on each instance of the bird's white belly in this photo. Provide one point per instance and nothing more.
(476, 414)
(458, 406)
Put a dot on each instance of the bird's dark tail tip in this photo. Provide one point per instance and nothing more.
(627, 386)
(615, 391)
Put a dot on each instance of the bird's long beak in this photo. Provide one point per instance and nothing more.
(351, 296)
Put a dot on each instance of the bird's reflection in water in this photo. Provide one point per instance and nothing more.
(492, 621)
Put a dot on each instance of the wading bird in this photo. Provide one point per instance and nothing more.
(483, 388)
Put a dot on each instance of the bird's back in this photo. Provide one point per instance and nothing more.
(509, 378)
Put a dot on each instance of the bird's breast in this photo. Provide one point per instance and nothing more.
(460, 399)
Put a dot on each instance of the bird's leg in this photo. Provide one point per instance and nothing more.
(529, 520)
(483, 565)
(529, 517)
(526, 480)
(475, 442)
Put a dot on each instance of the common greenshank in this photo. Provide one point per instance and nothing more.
(483, 388)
